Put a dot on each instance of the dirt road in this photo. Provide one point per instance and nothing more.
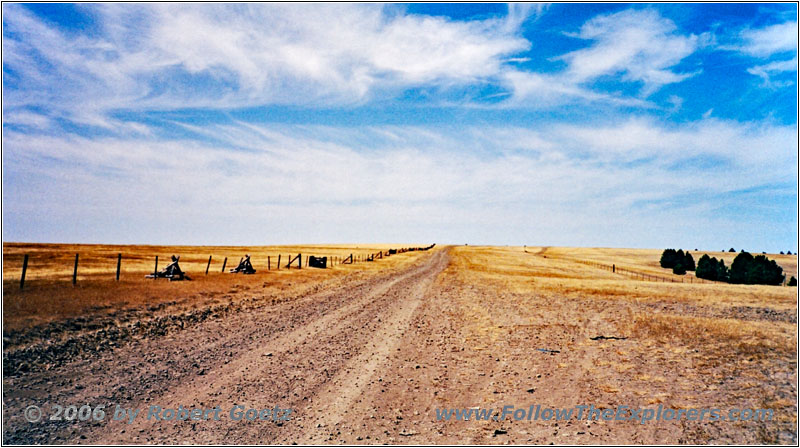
(315, 355)
(369, 359)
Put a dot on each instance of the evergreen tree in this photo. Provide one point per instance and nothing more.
(758, 270)
(679, 269)
(688, 262)
(739, 267)
(669, 258)
(793, 281)
(723, 274)
(763, 271)
(706, 268)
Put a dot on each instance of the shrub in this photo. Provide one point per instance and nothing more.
(679, 269)
(731, 250)
(793, 281)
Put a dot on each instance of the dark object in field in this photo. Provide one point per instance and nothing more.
(173, 272)
(245, 267)
(545, 350)
(392, 251)
(618, 338)
(317, 262)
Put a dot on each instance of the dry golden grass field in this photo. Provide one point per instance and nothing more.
(365, 353)
(48, 293)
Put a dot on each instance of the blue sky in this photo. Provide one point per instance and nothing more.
(628, 125)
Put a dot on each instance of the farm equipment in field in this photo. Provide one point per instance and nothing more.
(172, 272)
(245, 267)
(317, 262)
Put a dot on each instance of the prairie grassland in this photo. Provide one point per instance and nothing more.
(678, 344)
(647, 260)
(49, 294)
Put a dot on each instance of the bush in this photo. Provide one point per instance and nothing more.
(731, 250)
(679, 269)
(793, 281)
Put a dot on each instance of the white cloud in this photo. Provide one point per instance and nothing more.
(27, 118)
(773, 43)
(767, 71)
(640, 45)
(764, 42)
(518, 13)
(546, 183)
(548, 90)
(259, 170)
(169, 55)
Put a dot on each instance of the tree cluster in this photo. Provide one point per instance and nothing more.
(759, 270)
(678, 261)
(710, 268)
(745, 269)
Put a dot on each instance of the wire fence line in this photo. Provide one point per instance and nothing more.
(100, 265)
(638, 275)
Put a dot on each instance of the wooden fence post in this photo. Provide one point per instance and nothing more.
(75, 271)
(209, 264)
(269, 263)
(279, 263)
(155, 270)
(119, 262)
(299, 261)
(223, 264)
(24, 270)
